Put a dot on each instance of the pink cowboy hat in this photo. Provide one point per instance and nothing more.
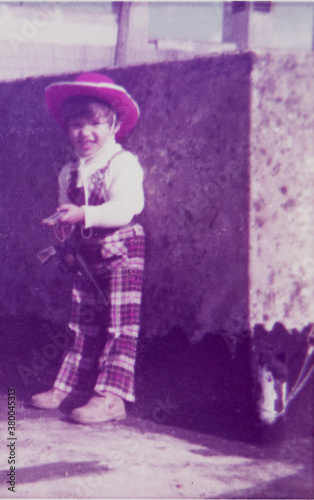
(94, 85)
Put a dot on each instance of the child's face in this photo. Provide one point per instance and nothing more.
(88, 134)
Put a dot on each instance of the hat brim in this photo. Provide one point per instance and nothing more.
(117, 97)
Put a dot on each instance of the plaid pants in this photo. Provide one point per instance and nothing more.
(102, 357)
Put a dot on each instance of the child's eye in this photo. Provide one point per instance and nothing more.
(74, 124)
(98, 123)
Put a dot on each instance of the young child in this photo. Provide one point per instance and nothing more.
(101, 192)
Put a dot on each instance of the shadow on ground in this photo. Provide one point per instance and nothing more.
(204, 388)
(54, 471)
(195, 408)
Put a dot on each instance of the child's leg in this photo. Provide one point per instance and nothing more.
(78, 371)
(117, 362)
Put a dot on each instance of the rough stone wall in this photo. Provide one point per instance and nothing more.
(192, 140)
(282, 190)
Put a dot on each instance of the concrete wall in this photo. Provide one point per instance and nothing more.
(194, 128)
(214, 213)
(40, 38)
(284, 26)
(282, 190)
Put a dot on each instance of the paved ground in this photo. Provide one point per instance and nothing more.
(140, 458)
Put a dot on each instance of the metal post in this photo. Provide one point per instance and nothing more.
(123, 31)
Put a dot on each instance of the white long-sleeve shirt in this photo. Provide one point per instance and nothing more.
(122, 186)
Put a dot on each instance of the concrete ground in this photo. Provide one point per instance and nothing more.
(140, 458)
(192, 432)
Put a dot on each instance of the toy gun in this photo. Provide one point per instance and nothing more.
(71, 259)
(53, 219)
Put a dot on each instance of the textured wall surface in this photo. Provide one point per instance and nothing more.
(282, 190)
(201, 170)
(32, 150)
(192, 140)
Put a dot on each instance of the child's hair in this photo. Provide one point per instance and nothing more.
(82, 106)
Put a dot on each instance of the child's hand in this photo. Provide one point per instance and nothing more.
(74, 213)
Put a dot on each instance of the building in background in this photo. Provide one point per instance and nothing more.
(269, 25)
(55, 37)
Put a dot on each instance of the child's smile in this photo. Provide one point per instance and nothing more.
(88, 135)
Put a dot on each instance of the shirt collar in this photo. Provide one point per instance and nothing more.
(87, 166)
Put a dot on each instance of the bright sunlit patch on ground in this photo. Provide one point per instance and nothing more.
(116, 461)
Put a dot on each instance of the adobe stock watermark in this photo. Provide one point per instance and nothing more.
(236, 336)
(40, 359)
(57, 166)
(292, 451)
(279, 129)
(31, 27)
(132, 448)
(56, 344)
(303, 269)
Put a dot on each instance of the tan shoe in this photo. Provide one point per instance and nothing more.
(50, 400)
(100, 409)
